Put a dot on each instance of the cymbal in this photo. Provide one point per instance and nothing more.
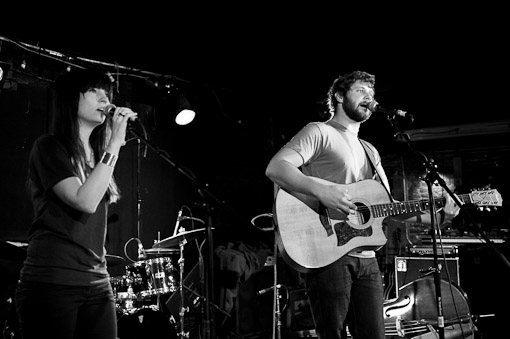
(176, 239)
(9, 251)
(114, 260)
(161, 250)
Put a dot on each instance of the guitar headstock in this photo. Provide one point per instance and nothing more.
(485, 197)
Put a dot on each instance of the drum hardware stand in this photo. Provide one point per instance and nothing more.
(209, 330)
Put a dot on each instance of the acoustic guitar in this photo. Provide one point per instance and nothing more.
(310, 236)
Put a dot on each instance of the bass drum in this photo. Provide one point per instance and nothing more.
(145, 323)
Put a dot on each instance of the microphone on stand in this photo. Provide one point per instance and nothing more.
(265, 290)
(374, 107)
(179, 218)
(141, 251)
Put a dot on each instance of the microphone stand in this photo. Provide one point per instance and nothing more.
(141, 254)
(209, 328)
(431, 177)
(182, 309)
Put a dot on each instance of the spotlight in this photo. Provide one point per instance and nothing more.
(4, 69)
(184, 113)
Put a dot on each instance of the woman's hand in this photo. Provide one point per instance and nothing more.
(120, 119)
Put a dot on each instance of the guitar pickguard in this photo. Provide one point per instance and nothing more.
(344, 232)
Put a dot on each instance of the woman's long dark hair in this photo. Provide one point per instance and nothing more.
(65, 125)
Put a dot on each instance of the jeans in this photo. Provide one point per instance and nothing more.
(71, 312)
(348, 291)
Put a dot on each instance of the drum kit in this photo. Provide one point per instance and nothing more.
(143, 280)
(139, 290)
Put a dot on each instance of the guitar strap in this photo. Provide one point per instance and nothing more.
(370, 154)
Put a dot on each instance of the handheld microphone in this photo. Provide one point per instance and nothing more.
(374, 107)
(109, 110)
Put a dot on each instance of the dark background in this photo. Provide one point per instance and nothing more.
(257, 75)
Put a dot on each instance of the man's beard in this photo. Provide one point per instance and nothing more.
(354, 112)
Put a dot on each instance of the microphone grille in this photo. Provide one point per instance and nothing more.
(109, 110)
(372, 106)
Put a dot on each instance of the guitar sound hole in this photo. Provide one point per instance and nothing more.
(362, 214)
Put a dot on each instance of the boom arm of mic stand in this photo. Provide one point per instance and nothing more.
(161, 153)
(187, 173)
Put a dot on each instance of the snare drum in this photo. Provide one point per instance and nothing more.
(161, 276)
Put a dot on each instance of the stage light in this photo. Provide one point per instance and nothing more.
(184, 113)
(4, 69)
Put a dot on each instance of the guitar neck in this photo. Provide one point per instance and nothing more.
(412, 206)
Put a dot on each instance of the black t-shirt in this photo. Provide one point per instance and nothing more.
(66, 246)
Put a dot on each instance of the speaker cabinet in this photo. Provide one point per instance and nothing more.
(408, 269)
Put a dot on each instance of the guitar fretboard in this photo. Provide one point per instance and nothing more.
(404, 207)
(411, 206)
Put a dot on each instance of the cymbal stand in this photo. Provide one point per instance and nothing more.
(182, 309)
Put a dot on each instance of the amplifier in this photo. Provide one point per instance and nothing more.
(409, 269)
(428, 251)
